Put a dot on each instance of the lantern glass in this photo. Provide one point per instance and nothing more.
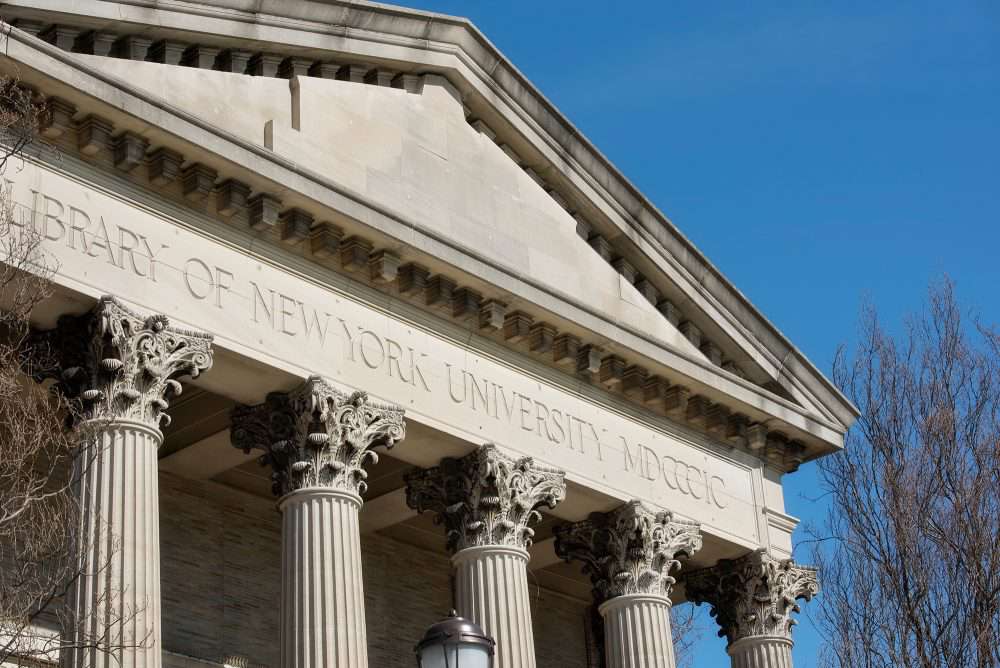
(455, 642)
(464, 655)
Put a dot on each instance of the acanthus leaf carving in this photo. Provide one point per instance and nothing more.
(754, 595)
(317, 436)
(487, 497)
(631, 550)
(119, 364)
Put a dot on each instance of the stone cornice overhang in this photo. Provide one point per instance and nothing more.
(57, 72)
(494, 90)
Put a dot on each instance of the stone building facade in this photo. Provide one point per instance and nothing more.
(366, 330)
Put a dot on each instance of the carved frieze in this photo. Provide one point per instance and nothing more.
(120, 365)
(317, 436)
(486, 497)
(754, 595)
(631, 550)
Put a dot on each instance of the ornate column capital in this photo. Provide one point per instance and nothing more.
(119, 364)
(754, 595)
(317, 436)
(486, 497)
(630, 550)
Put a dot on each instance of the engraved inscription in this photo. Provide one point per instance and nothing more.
(537, 416)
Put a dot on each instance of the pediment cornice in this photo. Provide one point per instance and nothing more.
(697, 392)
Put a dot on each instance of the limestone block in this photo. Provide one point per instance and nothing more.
(491, 315)
(383, 266)
(325, 242)
(295, 226)
(94, 134)
(61, 36)
(130, 151)
(202, 57)
(57, 118)
(412, 153)
(164, 166)
(413, 279)
(166, 51)
(95, 42)
(232, 198)
(211, 95)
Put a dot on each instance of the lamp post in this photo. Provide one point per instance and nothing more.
(455, 642)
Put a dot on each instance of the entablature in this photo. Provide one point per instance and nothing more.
(111, 125)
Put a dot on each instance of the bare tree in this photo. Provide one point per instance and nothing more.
(44, 445)
(686, 628)
(37, 509)
(910, 553)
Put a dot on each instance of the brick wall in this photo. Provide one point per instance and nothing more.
(221, 572)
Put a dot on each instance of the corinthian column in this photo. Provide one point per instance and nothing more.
(752, 600)
(317, 441)
(122, 368)
(629, 554)
(487, 500)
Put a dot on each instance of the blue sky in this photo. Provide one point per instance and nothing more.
(818, 153)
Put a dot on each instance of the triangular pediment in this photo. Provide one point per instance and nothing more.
(451, 145)
(418, 155)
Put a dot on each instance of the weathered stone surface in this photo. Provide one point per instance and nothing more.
(631, 550)
(295, 226)
(487, 498)
(56, 118)
(164, 166)
(198, 181)
(263, 211)
(754, 595)
(119, 364)
(317, 436)
(231, 199)
(93, 135)
(130, 151)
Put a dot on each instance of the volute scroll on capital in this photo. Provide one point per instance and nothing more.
(631, 550)
(118, 364)
(317, 436)
(754, 595)
(486, 498)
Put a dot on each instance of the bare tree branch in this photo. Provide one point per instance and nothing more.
(909, 551)
(44, 448)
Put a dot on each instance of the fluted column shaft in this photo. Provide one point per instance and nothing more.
(761, 652)
(116, 600)
(637, 632)
(629, 554)
(120, 369)
(487, 500)
(317, 440)
(491, 589)
(322, 591)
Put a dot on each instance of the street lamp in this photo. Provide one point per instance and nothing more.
(455, 643)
